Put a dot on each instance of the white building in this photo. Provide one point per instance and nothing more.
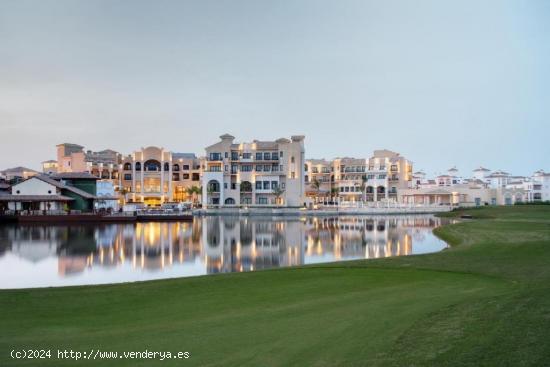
(256, 173)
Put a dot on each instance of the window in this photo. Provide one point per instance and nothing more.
(274, 167)
(267, 167)
(274, 184)
(266, 185)
(246, 168)
(185, 167)
(233, 186)
(175, 177)
(258, 185)
(127, 167)
(247, 155)
(185, 176)
(313, 170)
(127, 177)
(281, 153)
(225, 154)
(281, 168)
(225, 185)
(196, 177)
(267, 156)
(176, 167)
(215, 156)
(274, 156)
(234, 168)
(215, 169)
(262, 200)
(166, 167)
(234, 156)
(292, 175)
(258, 156)
(138, 166)
(292, 159)
(283, 185)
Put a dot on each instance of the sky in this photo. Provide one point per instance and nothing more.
(445, 83)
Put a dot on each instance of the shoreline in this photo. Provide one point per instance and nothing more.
(188, 217)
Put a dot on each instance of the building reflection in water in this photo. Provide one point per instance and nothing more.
(221, 243)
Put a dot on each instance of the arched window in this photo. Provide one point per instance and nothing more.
(138, 166)
(127, 167)
(370, 189)
(166, 167)
(176, 167)
(151, 165)
(381, 189)
(230, 201)
(213, 186)
(246, 186)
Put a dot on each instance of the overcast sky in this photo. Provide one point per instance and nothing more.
(444, 83)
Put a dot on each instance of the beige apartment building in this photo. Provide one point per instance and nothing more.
(154, 176)
(103, 164)
(255, 173)
(358, 179)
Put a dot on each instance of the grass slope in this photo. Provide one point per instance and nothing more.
(484, 302)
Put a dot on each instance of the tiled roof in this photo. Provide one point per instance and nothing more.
(183, 156)
(58, 184)
(18, 169)
(73, 175)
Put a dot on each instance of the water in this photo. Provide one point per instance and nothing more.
(58, 255)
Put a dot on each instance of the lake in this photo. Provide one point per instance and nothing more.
(61, 255)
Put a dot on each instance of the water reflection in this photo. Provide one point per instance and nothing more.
(33, 256)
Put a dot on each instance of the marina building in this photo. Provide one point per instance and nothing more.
(255, 173)
(359, 179)
(154, 176)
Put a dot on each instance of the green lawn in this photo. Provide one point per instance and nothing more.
(484, 302)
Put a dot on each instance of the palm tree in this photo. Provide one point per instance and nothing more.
(316, 185)
(122, 191)
(278, 191)
(363, 188)
(194, 192)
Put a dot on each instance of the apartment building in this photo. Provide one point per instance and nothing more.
(154, 175)
(71, 157)
(256, 173)
(358, 179)
(318, 178)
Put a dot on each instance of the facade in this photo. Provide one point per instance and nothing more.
(154, 176)
(539, 187)
(49, 167)
(103, 164)
(318, 178)
(256, 173)
(42, 193)
(377, 178)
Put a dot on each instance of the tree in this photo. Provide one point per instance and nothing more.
(315, 184)
(278, 191)
(194, 192)
(122, 191)
(363, 188)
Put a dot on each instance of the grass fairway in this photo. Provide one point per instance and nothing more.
(484, 302)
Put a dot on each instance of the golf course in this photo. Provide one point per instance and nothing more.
(485, 301)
